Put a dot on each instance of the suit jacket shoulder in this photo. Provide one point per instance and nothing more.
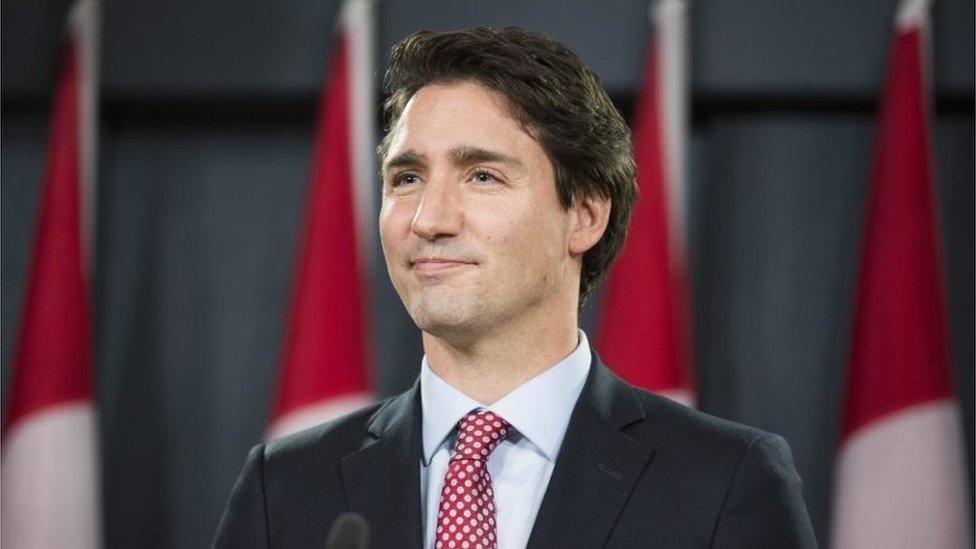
(709, 482)
(327, 441)
(706, 443)
(292, 488)
(639, 470)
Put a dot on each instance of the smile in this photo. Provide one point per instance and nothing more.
(437, 266)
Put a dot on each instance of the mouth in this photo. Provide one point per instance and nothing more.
(437, 265)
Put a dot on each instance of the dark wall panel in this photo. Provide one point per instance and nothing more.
(197, 248)
(832, 48)
(268, 47)
(954, 146)
(30, 31)
(780, 225)
(219, 47)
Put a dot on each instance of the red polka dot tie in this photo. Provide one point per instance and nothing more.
(466, 518)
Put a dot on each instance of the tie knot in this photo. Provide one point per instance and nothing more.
(478, 434)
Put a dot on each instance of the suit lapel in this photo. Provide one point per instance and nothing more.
(597, 466)
(382, 480)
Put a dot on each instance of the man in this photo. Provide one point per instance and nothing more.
(507, 186)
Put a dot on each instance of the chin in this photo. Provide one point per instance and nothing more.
(444, 316)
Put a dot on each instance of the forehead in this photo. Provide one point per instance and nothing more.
(440, 118)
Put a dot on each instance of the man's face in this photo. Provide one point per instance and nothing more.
(471, 226)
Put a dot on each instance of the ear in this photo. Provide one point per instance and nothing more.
(588, 220)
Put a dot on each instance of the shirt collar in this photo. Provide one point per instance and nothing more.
(539, 409)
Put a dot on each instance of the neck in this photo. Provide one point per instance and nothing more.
(494, 364)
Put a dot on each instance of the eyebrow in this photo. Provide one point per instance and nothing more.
(460, 156)
(463, 156)
(406, 158)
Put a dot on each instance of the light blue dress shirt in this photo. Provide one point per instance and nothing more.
(538, 412)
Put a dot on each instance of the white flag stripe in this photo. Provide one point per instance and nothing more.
(51, 494)
(83, 30)
(898, 483)
(670, 24)
(681, 396)
(912, 14)
(357, 20)
(320, 412)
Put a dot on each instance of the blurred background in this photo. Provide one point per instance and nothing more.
(208, 112)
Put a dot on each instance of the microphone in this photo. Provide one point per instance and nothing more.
(349, 531)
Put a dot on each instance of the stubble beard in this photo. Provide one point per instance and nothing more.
(463, 315)
(449, 315)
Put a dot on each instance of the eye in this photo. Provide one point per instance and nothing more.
(483, 176)
(404, 178)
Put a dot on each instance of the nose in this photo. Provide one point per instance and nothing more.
(438, 213)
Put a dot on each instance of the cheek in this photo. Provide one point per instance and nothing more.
(532, 243)
(394, 222)
(550, 248)
(393, 242)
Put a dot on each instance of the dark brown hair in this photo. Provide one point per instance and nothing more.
(552, 94)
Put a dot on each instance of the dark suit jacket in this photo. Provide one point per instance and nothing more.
(634, 470)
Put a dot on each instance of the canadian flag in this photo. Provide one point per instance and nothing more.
(900, 479)
(644, 329)
(325, 371)
(50, 446)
